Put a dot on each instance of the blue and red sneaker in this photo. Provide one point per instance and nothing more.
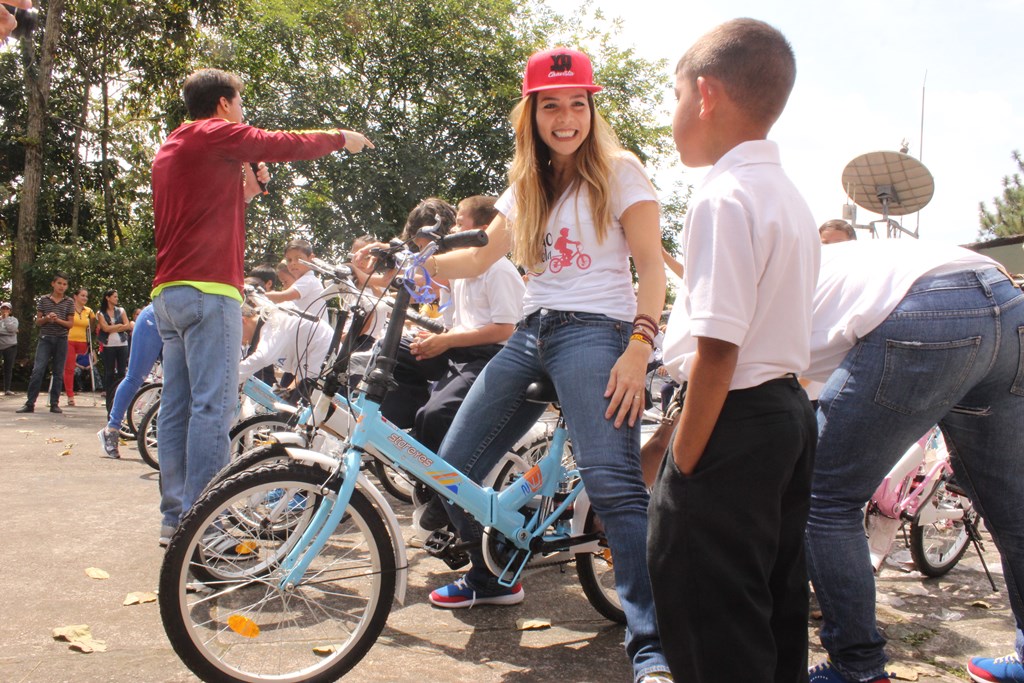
(459, 594)
(1006, 669)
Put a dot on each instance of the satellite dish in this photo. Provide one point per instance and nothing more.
(889, 183)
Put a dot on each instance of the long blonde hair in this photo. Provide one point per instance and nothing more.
(533, 178)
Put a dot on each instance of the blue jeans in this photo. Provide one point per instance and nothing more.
(50, 351)
(577, 351)
(145, 349)
(950, 353)
(202, 336)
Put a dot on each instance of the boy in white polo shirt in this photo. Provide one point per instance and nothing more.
(728, 510)
(306, 292)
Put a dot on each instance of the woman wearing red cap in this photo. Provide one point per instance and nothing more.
(579, 206)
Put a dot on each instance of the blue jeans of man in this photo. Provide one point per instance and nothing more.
(145, 349)
(50, 351)
(202, 338)
(952, 353)
(577, 351)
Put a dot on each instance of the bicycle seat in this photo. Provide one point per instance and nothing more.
(542, 391)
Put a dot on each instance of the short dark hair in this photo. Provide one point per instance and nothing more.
(753, 61)
(840, 225)
(426, 214)
(59, 274)
(302, 245)
(480, 208)
(204, 88)
(264, 272)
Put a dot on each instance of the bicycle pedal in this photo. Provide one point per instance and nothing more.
(441, 544)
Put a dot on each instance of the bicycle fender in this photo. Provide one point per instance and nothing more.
(373, 493)
(288, 439)
(581, 508)
(397, 539)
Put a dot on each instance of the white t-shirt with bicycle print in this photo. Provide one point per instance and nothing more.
(579, 274)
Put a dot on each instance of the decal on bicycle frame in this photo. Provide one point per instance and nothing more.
(532, 480)
(410, 450)
(449, 480)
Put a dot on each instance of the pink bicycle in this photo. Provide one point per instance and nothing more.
(559, 262)
(920, 490)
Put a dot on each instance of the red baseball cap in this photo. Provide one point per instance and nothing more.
(559, 67)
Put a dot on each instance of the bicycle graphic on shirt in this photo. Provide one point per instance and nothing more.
(567, 254)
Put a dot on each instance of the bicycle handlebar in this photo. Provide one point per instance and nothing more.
(338, 273)
(460, 240)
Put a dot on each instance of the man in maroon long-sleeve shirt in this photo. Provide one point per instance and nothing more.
(202, 179)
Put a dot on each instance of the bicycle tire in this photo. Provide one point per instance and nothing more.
(137, 407)
(937, 547)
(399, 485)
(246, 628)
(596, 572)
(253, 432)
(267, 455)
(250, 460)
(147, 437)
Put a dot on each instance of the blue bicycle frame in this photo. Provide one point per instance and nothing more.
(500, 511)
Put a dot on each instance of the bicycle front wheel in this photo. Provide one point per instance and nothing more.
(146, 436)
(239, 624)
(596, 572)
(254, 432)
(141, 402)
(938, 546)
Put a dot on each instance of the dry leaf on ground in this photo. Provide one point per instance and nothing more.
(96, 573)
(54, 439)
(138, 598)
(532, 624)
(80, 638)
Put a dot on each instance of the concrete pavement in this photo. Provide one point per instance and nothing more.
(68, 509)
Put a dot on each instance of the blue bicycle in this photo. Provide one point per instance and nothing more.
(287, 572)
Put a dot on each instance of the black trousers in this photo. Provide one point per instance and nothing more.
(430, 391)
(115, 365)
(7, 356)
(725, 544)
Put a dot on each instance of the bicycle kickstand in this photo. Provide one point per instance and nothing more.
(975, 536)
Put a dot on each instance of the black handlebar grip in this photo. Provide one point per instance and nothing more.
(429, 324)
(460, 240)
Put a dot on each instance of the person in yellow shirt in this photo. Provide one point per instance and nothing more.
(78, 339)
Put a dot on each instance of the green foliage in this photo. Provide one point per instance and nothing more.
(431, 82)
(129, 270)
(1007, 216)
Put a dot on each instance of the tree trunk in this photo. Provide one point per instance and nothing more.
(37, 88)
(76, 180)
(108, 192)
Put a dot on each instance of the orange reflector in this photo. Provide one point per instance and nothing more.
(243, 626)
(246, 547)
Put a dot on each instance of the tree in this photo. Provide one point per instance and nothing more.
(432, 82)
(38, 75)
(1007, 217)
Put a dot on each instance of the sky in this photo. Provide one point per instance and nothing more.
(860, 71)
